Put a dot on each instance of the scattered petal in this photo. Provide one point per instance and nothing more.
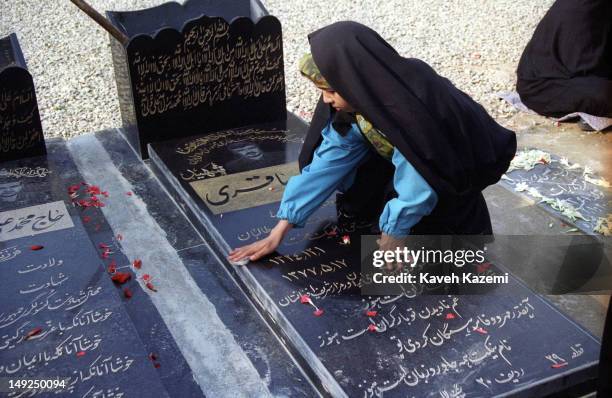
(480, 330)
(137, 264)
(318, 312)
(129, 193)
(73, 188)
(103, 246)
(152, 357)
(32, 333)
(86, 219)
(450, 316)
(121, 277)
(150, 286)
(304, 299)
(346, 240)
(36, 247)
(127, 293)
(371, 313)
(119, 237)
(157, 365)
(112, 268)
(146, 277)
(80, 353)
(480, 268)
(372, 328)
(558, 365)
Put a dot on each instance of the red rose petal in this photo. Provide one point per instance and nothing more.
(36, 247)
(150, 286)
(32, 333)
(480, 268)
(80, 353)
(450, 316)
(157, 365)
(480, 330)
(152, 357)
(318, 312)
(372, 328)
(559, 365)
(73, 188)
(112, 269)
(371, 313)
(86, 219)
(121, 277)
(103, 246)
(146, 277)
(137, 264)
(129, 193)
(304, 299)
(127, 293)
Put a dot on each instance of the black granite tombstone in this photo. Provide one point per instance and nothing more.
(569, 191)
(507, 342)
(196, 68)
(21, 133)
(60, 316)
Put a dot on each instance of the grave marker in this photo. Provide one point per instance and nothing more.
(21, 133)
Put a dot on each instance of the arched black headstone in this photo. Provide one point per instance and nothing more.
(197, 68)
(21, 133)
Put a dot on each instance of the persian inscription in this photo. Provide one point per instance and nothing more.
(244, 190)
(19, 125)
(34, 220)
(210, 65)
(27, 172)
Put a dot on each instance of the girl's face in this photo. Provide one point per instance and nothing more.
(334, 99)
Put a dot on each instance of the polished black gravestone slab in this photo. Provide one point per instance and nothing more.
(187, 69)
(63, 297)
(121, 327)
(509, 341)
(566, 182)
(21, 133)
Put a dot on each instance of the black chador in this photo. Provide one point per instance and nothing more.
(567, 65)
(449, 138)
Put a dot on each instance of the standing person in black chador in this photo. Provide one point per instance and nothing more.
(402, 142)
(567, 65)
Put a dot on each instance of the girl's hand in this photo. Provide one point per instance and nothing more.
(261, 248)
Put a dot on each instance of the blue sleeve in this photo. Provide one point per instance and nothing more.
(415, 200)
(333, 166)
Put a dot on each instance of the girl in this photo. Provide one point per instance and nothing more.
(399, 140)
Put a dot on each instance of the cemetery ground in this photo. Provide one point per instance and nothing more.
(113, 275)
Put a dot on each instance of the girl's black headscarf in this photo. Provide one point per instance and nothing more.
(450, 139)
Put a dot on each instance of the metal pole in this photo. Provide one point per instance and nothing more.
(99, 18)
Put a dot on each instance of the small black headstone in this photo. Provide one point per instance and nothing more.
(21, 133)
(197, 68)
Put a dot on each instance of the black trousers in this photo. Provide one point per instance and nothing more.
(373, 188)
(558, 97)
